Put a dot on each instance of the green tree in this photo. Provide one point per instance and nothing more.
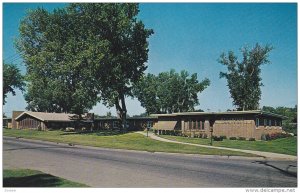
(169, 92)
(12, 79)
(53, 46)
(289, 124)
(146, 92)
(108, 114)
(124, 61)
(244, 78)
(83, 53)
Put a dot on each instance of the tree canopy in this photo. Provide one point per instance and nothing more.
(80, 54)
(169, 92)
(54, 47)
(244, 78)
(12, 79)
(289, 124)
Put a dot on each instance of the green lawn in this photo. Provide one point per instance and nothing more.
(132, 141)
(283, 145)
(33, 178)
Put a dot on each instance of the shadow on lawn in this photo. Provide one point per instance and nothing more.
(37, 180)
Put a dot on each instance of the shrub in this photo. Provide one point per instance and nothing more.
(265, 137)
(204, 136)
(184, 135)
(251, 139)
(216, 138)
(70, 129)
(177, 133)
(273, 136)
(268, 137)
(232, 138)
(279, 135)
(242, 138)
(223, 137)
(151, 130)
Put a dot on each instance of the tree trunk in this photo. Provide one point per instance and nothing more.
(121, 111)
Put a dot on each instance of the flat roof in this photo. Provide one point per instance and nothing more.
(129, 118)
(221, 113)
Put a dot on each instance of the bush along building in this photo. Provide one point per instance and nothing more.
(240, 124)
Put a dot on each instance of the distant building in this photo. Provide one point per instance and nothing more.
(248, 124)
(43, 121)
(6, 122)
(15, 114)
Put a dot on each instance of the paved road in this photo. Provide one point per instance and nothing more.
(100, 167)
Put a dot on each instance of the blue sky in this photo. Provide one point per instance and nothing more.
(191, 36)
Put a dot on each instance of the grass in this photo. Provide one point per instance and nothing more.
(131, 141)
(283, 145)
(34, 178)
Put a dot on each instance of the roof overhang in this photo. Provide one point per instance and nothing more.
(22, 114)
(40, 118)
(255, 112)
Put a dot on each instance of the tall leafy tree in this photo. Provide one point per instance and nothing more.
(82, 53)
(244, 77)
(123, 63)
(12, 79)
(54, 47)
(169, 92)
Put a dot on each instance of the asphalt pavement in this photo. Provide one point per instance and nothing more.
(102, 167)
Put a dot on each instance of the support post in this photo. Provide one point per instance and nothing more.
(211, 125)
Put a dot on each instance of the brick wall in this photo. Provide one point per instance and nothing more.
(234, 128)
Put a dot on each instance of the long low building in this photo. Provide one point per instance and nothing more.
(247, 124)
(46, 121)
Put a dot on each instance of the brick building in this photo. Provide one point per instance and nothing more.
(248, 124)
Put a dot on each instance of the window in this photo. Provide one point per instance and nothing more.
(190, 124)
(265, 122)
(199, 124)
(270, 122)
(194, 124)
(203, 125)
(185, 124)
(149, 124)
(257, 122)
(115, 124)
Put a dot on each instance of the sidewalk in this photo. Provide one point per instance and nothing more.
(267, 155)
